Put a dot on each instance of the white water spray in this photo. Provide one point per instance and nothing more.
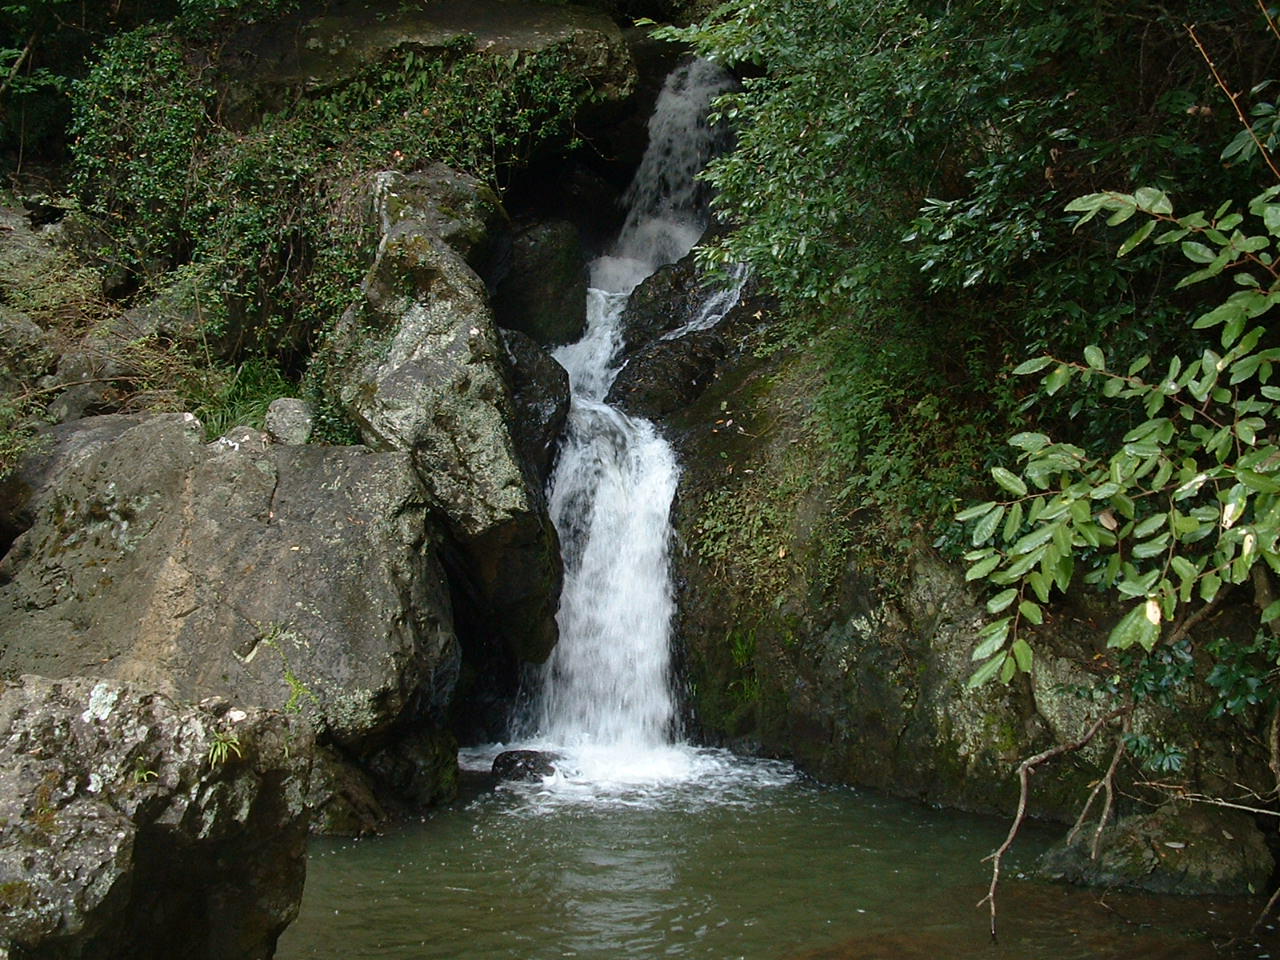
(606, 701)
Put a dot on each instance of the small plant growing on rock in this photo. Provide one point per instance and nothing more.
(224, 744)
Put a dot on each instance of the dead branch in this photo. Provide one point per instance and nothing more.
(1107, 784)
(17, 64)
(1234, 98)
(1270, 20)
(1181, 793)
(1266, 911)
(1025, 770)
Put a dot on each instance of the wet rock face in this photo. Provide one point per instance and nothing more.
(420, 368)
(661, 303)
(541, 390)
(132, 826)
(854, 663)
(544, 291)
(293, 577)
(1178, 848)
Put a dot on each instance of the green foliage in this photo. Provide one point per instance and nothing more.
(276, 636)
(240, 396)
(899, 181)
(1187, 503)
(250, 242)
(138, 129)
(1245, 675)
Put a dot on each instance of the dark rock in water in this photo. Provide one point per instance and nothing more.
(1182, 848)
(544, 290)
(661, 303)
(541, 390)
(667, 375)
(133, 826)
(524, 765)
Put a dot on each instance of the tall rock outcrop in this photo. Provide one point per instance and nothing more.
(420, 368)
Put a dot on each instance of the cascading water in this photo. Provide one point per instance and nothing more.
(606, 700)
(642, 847)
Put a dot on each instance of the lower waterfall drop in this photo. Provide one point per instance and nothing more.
(606, 703)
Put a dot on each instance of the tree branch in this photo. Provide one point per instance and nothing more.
(1024, 773)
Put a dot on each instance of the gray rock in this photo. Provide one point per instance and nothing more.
(444, 203)
(302, 578)
(421, 369)
(1183, 848)
(132, 826)
(290, 421)
(544, 291)
(541, 392)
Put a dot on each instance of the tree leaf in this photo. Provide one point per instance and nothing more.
(983, 567)
(1134, 627)
(985, 527)
(1022, 653)
(1001, 600)
(1033, 365)
(991, 639)
(1010, 481)
(985, 673)
(1031, 611)
(972, 513)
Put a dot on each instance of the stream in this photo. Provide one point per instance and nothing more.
(643, 845)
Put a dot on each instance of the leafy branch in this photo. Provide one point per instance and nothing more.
(1189, 502)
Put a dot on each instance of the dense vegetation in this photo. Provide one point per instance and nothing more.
(247, 239)
(905, 179)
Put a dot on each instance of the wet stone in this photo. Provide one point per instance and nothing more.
(524, 765)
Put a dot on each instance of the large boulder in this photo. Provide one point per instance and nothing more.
(134, 827)
(1180, 848)
(420, 368)
(544, 290)
(296, 577)
(445, 203)
(269, 64)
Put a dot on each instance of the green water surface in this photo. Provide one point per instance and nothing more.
(767, 867)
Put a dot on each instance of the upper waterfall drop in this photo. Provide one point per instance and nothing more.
(607, 687)
(666, 203)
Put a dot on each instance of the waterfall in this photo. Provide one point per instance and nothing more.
(607, 686)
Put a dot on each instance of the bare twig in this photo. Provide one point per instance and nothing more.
(1188, 624)
(1270, 20)
(1109, 783)
(1234, 98)
(1266, 911)
(1025, 770)
(1182, 794)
